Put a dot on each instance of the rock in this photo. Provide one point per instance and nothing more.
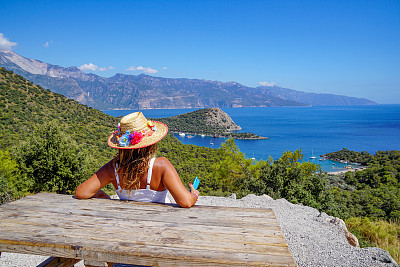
(339, 222)
(352, 239)
(217, 118)
(267, 197)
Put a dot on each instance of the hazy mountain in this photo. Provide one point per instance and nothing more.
(144, 91)
(313, 99)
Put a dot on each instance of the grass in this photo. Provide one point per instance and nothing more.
(380, 233)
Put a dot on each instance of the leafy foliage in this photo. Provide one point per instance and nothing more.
(24, 105)
(52, 160)
(9, 173)
(376, 192)
(350, 156)
(383, 234)
(191, 161)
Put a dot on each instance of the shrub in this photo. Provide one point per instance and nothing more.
(384, 234)
(52, 160)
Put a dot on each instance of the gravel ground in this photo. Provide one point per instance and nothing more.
(312, 238)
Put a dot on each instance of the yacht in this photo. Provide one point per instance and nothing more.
(182, 134)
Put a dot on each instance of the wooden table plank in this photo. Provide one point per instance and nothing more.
(142, 233)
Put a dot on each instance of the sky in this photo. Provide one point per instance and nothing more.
(341, 47)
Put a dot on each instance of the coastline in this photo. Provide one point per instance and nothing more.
(223, 136)
(347, 170)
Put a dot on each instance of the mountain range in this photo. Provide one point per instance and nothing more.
(147, 92)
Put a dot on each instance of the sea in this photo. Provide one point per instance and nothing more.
(316, 130)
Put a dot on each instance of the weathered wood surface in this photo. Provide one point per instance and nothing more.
(142, 233)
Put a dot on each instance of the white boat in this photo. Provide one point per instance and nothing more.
(182, 134)
(312, 155)
(203, 135)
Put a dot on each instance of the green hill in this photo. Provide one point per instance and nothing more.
(24, 105)
(208, 121)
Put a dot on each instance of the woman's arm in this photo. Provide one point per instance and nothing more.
(173, 183)
(91, 187)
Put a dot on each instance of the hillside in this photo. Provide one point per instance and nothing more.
(147, 92)
(209, 121)
(24, 105)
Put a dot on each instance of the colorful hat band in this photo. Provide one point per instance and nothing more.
(134, 138)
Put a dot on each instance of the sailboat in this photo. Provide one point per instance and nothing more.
(312, 155)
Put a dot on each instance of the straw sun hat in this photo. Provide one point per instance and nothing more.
(135, 131)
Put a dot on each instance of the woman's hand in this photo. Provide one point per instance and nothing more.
(173, 183)
(194, 191)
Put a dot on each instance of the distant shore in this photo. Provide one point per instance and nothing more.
(253, 137)
(348, 170)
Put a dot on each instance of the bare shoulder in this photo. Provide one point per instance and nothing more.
(162, 163)
(108, 168)
(164, 166)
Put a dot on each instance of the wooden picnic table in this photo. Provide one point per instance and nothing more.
(102, 231)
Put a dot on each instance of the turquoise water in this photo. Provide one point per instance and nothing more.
(316, 130)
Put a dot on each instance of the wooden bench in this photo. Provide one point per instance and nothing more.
(102, 232)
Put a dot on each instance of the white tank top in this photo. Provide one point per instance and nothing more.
(142, 195)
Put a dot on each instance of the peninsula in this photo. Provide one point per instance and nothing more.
(208, 121)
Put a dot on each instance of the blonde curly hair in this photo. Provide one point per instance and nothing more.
(132, 164)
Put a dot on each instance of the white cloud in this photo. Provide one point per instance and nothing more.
(269, 84)
(92, 67)
(164, 68)
(5, 44)
(131, 68)
(143, 69)
(46, 44)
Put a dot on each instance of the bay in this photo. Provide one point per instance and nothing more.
(315, 130)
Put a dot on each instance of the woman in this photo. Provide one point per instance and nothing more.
(135, 172)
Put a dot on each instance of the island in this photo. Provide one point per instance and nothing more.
(208, 121)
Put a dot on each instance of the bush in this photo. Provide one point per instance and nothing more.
(384, 234)
(52, 160)
(12, 183)
(7, 194)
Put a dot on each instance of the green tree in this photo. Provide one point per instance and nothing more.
(9, 175)
(296, 180)
(52, 160)
(234, 172)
